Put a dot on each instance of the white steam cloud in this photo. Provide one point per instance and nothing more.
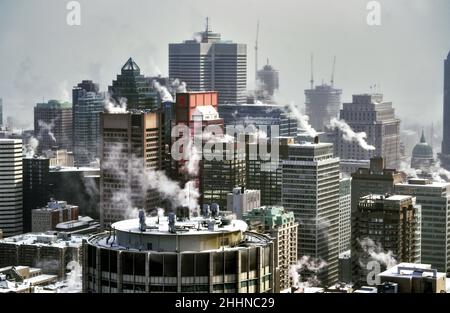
(349, 135)
(163, 92)
(111, 105)
(312, 266)
(377, 253)
(303, 120)
(73, 283)
(31, 147)
(179, 86)
(44, 127)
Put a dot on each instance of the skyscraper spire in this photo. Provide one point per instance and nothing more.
(312, 71)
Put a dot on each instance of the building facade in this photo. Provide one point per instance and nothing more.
(132, 143)
(311, 190)
(167, 254)
(35, 187)
(133, 88)
(370, 114)
(345, 210)
(55, 212)
(445, 151)
(11, 187)
(322, 104)
(53, 125)
(88, 103)
(210, 63)
(389, 223)
(435, 201)
(282, 227)
(242, 200)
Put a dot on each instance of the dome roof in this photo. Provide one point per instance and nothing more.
(422, 149)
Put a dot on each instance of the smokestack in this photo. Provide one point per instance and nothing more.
(316, 140)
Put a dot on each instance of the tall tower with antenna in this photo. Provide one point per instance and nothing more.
(322, 102)
(256, 52)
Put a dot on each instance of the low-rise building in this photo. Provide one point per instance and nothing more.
(46, 219)
(242, 200)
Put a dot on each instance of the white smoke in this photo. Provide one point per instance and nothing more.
(163, 92)
(312, 266)
(438, 174)
(377, 253)
(349, 135)
(73, 283)
(111, 105)
(44, 127)
(192, 165)
(137, 180)
(303, 120)
(31, 147)
(179, 86)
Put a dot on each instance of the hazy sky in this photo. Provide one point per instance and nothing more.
(42, 57)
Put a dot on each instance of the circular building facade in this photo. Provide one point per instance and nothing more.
(159, 254)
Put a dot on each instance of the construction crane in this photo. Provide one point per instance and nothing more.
(256, 51)
(332, 71)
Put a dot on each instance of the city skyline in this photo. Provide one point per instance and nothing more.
(371, 53)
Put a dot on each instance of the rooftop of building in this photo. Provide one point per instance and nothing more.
(56, 205)
(73, 169)
(45, 239)
(386, 197)
(54, 104)
(423, 183)
(409, 270)
(159, 225)
(8, 140)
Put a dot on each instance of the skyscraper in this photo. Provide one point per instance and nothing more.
(131, 143)
(370, 114)
(209, 63)
(1, 112)
(445, 153)
(53, 125)
(88, 103)
(322, 104)
(268, 82)
(391, 221)
(35, 187)
(131, 85)
(280, 225)
(435, 201)
(11, 205)
(311, 190)
(345, 211)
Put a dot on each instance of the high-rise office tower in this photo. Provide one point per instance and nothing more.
(322, 104)
(88, 103)
(311, 190)
(445, 153)
(376, 179)
(280, 225)
(35, 187)
(131, 85)
(389, 223)
(265, 175)
(370, 114)
(53, 125)
(209, 63)
(268, 82)
(11, 205)
(222, 170)
(345, 210)
(1, 112)
(131, 143)
(435, 201)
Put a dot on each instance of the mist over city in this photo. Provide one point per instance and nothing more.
(208, 147)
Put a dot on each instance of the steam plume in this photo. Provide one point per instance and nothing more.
(163, 92)
(349, 135)
(111, 105)
(306, 263)
(303, 120)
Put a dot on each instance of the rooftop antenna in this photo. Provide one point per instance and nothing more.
(312, 71)
(332, 71)
(207, 24)
(256, 51)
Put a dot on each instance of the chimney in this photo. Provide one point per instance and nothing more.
(316, 140)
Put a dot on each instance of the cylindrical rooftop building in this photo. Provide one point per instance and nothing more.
(161, 254)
